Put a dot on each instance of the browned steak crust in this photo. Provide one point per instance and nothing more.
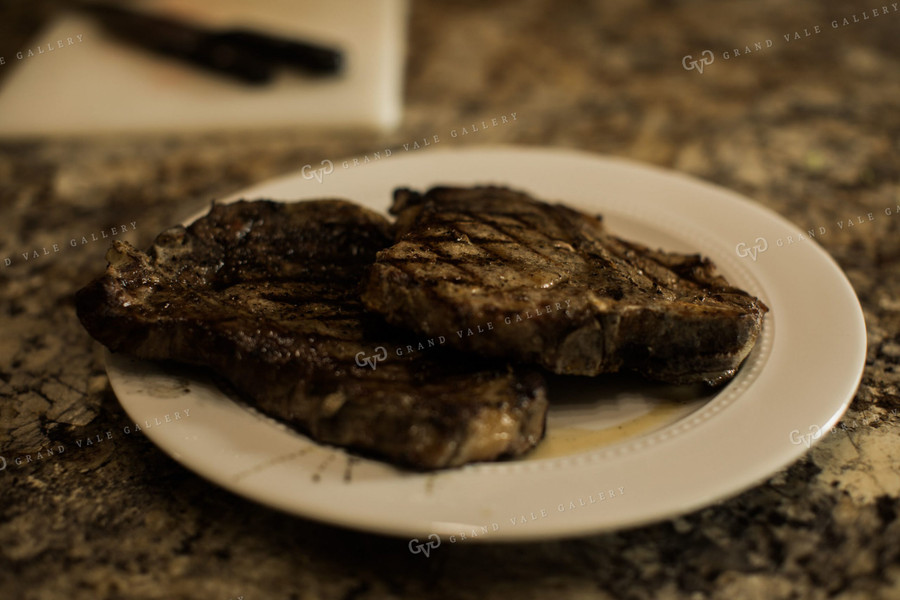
(267, 296)
(502, 274)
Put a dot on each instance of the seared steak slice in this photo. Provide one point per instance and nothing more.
(267, 296)
(502, 274)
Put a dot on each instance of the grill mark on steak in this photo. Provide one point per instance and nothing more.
(476, 255)
(266, 295)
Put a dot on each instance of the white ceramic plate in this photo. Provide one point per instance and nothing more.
(619, 452)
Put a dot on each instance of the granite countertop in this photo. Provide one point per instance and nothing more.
(804, 118)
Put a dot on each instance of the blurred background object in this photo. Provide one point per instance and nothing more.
(247, 55)
(74, 76)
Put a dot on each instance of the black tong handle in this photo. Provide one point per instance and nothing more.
(240, 53)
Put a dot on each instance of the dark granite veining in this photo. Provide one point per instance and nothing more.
(808, 127)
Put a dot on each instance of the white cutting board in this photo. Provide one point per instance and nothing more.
(102, 85)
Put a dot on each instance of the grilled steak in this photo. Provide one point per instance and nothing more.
(267, 296)
(502, 274)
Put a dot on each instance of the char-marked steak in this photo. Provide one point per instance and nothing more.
(267, 296)
(502, 274)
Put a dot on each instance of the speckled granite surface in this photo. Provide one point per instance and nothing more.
(807, 125)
